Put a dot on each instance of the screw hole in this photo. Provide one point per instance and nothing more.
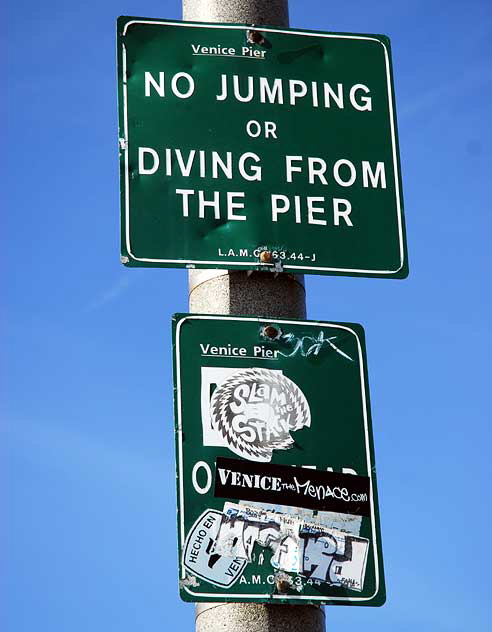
(255, 37)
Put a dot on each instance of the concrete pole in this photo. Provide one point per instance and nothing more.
(260, 293)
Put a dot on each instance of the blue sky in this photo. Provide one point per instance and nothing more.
(89, 535)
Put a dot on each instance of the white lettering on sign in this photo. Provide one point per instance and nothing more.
(248, 51)
(314, 210)
(158, 86)
(368, 174)
(316, 169)
(360, 103)
(201, 163)
(182, 85)
(187, 79)
(339, 213)
(274, 91)
(290, 168)
(290, 91)
(248, 165)
(257, 351)
(251, 481)
(228, 51)
(330, 94)
(203, 204)
(231, 205)
(208, 472)
(297, 90)
(254, 172)
(336, 173)
(254, 129)
(228, 350)
(215, 204)
(281, 205)
(185, 193)
(225, 166)
(344, 172)
(142, 152)
(212, 50)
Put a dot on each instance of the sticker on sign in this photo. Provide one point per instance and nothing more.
(280, 154)
(202, 560)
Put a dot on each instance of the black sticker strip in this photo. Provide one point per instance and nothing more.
(292, 486)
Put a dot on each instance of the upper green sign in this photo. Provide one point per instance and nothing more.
(268, 148)
(277, 498)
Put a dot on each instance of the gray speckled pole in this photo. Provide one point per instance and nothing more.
(219, 291)
(259, 293)
(250, 617)
(272, 12)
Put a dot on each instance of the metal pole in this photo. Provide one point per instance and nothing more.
(260, 293)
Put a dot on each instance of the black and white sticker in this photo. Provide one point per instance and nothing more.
(292, 486)
(252, 411)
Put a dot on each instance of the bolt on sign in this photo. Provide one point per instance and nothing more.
(253, 149)
(277, 498)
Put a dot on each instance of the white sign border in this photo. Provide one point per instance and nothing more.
(245, 264)
(179, 431)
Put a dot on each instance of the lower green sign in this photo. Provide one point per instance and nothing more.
(277, 498)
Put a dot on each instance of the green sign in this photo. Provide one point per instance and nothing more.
(277, 498)
(248, 149)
